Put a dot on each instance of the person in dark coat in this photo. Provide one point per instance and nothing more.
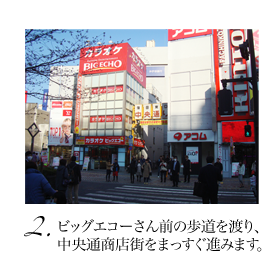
(62, 177)
(76, 178)
(175, 171)
(187, 169)
(116, 169)
(132, 168)
(37, 188)
(210, 175)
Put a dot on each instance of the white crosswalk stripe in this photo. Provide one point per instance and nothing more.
(133, 194)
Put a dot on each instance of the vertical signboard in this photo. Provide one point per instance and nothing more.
(45, 100)
(60, 124)
(157, 111)
(164, 111)
(138, 112)
(147, 111)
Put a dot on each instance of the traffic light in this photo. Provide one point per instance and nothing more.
(244, 50)
(225, 102)
(248, 131)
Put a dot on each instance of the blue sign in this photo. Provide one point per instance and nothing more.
(155, 71)
(130, 136)
(130, 148)
(45, 100)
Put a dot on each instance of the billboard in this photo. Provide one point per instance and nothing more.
(176, 34)
(155, 71)
(45, 100)
(60, 123)
(112, 58)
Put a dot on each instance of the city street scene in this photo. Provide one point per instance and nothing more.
(167, 116)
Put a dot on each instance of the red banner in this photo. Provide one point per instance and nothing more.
(104, 140)
(106, 90)
(57, 104)
(117, 118)
(139, 143)
(175, 34)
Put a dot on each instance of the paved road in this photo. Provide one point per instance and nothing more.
(119, 193)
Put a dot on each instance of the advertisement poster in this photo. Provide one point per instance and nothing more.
(60, 124)
(192, 152)
(86, 162)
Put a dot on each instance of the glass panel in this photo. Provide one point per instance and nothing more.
(86, 106)
(110, 96)
(110, 111)
(93, 105)
(111, 79)
(109, 125)
(119, 78)
(103, 80)
(101, 112)
(93, 112)
(119, 95)
(84, 132)
(101, 125)
(110, 104)
(87, 81)
(118, 111)
(85, 122)
(100, 132)
(118, 125)
(92, 133)
(93, 125)
(118, 103)
(117, 133)
(85, 113)
(95, 80)
(109, 132)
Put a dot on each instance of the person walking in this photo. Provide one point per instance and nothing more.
(158, 164)
(74, 178)
(209, 175)
(142, 161)
(62, 177)
(163, 170)
(187, 169)
(108, 170)
(139, 171)
(37, 188)
(175, 171)
(116, 169)
(132, 169)
(241, 172)
(146, 171)
(219, 165)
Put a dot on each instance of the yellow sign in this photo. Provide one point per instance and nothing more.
(154, 122)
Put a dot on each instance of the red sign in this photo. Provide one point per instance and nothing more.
(57, 104)
(104, 140)
(139, 143)
(236, 131)
(136, 67)
(175, 34)
(118, 118)
(67, 113)
(112, 58)
(106, 90)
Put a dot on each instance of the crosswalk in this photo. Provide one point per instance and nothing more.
(133, 194)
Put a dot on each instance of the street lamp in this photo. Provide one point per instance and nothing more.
(33, 131)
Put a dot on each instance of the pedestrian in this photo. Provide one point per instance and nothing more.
(108, 170)
(132, 168)
(142, 161)
(163, 170)
(139, 171)
(169, 167)
(59, 198)
(34, 158)
(62, 177)
(116, 169)
(150, 162)
(37, 188)
(74, 178)
(146, 171)
(254, 168)
(175, 171)
(241, 172)
(219, 165)
(158, 164)
(28, 156)
(209, 175)
(187, 169)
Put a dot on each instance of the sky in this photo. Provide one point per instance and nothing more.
(135, 37)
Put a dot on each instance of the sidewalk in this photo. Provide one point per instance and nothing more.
(99, 175)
